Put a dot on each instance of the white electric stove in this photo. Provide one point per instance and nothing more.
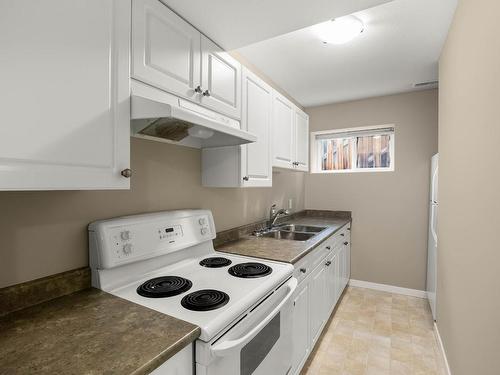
(166, 261)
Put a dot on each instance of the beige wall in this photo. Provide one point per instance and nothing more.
(42, 233)
(469, 191)
(390, 209)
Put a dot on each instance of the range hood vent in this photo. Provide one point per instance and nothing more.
(163, 117)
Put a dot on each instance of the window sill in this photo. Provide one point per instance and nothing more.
(345, 171)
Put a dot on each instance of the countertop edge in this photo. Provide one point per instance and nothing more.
(228, 246)
(190, 334)
(317, 244)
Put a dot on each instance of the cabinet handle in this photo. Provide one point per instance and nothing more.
(348, 228)
(346, 243)
(342, 234)
(245, 178)
(303, 270)
(206, 93)
(328, 263)
(328, 247)
(198, 89)
(127, 173)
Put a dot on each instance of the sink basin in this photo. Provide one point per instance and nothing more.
(286, 235)
(301, 228)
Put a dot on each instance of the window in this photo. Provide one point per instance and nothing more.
(353, 150)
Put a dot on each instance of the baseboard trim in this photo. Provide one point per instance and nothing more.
(441, 350)
(389, 288)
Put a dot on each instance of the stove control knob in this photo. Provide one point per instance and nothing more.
(127, 249)
(125, 235)
(204, 231)
(202, 221)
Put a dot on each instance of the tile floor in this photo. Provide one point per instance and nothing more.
(377, 333)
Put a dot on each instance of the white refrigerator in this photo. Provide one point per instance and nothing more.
(432, 247)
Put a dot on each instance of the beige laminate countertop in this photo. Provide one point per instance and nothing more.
(288, 251)
(89, 332)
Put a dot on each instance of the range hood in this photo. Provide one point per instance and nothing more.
(163, 117)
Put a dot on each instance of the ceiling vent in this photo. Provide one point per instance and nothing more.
(428, 85)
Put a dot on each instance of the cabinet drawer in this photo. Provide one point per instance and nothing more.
(304, 266)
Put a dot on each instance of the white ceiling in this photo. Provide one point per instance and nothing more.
(400, 46)
(236, 23)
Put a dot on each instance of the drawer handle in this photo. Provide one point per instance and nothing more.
(328, 247)
(342, 234)
(303, 270)
(346, 243)
(348, 228)
(328, 263)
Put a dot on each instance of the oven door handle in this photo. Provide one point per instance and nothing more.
(226, 348)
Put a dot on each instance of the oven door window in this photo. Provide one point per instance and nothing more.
(253, 353)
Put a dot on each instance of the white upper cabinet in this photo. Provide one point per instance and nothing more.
(247, 165)
(283, 132)
(165, 49)
(256, 119)
(170, 54)
(290, 135)
(301, 140)
(65, 94)
(221, 79)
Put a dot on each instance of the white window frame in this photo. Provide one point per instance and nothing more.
(315, 150)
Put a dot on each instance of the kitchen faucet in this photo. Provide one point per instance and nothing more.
(275, 214)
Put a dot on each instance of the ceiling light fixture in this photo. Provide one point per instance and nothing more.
(339, 30)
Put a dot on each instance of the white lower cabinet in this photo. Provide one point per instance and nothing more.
(182, 363)
(323, 275)
(317, 301)
(301, 326)
(333, 283)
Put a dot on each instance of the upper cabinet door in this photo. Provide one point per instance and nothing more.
(165, 49)
(221, 80)
(65, 94)
(256, 157)
(301, 140)
(283, 132)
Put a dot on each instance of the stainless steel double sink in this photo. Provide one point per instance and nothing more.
(295, 232)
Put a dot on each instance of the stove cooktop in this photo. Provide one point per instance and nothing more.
(205, 300)
(215, 297)
(164, 286)
(250, 270)
(215, 262)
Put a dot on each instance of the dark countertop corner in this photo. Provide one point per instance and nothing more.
(89, 332)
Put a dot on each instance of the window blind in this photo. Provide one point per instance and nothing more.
(356, 133)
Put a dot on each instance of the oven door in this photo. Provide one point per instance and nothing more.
(259, 344)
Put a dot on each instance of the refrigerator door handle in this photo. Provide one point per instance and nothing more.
(434, 187)
(433, 223)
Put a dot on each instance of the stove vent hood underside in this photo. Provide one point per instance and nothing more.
(178, 121)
